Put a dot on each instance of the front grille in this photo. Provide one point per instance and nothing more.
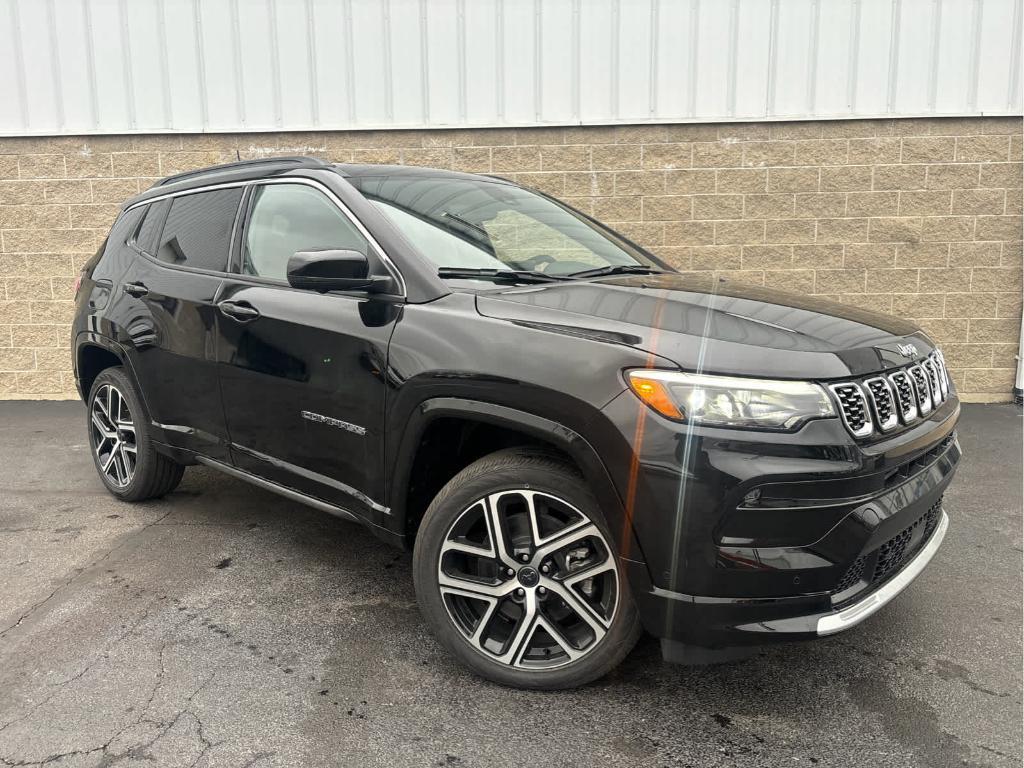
(940, 366)
(852, 576)
(882, 400)
(903, 397)
(894, 553)
(891, 556)
(922, 388)
(932, 370)
(909, 468)
(854, 408)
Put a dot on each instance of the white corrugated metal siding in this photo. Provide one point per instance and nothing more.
(117, 66)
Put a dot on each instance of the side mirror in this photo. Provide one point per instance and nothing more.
(334, 270)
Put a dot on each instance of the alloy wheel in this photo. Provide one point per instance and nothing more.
(113, 435)
(528, 579)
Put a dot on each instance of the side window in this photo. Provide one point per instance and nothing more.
(124, 226)
(145, 233)
(287, 218)
(198, 229)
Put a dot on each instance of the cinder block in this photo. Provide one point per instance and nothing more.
(717, 206)
(931, 149)
(669, 208)
(739, 232)
(982, 149)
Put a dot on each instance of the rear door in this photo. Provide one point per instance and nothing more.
(183, 247)
(303, 373)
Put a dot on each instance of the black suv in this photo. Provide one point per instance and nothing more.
(577, 441)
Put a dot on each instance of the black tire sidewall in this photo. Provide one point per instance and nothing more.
(506, 470)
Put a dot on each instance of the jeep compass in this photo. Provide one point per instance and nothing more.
(577, 442)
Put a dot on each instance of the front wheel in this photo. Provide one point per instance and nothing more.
(517, 576)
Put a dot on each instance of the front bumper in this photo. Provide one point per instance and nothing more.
(851, 616)
(835, 531)
(727, 626)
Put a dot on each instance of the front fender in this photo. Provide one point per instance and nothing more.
(575, 445)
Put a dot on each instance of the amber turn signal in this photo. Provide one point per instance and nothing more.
(654, 392)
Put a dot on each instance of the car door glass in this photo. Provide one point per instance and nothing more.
(147, 228)
(287, 218)
(198, 229)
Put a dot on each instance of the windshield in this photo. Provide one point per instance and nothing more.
(480, 224)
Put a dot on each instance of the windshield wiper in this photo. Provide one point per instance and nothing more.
(617, 269)
(468, 224)
(520, 275)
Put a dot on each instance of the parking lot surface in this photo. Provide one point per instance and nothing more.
(226, 626)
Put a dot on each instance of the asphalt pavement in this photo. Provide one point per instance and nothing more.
(226, 626)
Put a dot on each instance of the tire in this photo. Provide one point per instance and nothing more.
(495, 599)
(119, 430)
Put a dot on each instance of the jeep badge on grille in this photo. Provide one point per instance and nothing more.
(907, 350)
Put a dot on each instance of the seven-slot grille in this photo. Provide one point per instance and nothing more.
(932, 370)
(903, 387)
(922, 388)
(883, 403)
(854, 407)
(940, 365)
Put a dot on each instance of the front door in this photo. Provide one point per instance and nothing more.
(303, 373)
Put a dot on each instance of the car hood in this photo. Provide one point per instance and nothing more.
(729, 328)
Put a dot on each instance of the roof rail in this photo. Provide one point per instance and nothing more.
(297, 161)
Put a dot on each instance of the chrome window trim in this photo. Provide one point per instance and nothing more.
(868, 427)
(388, 263)
(894, 420)
(907, 416)
(189, 191)
(925, 408)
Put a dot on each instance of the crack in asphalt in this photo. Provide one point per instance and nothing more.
(140, 750)
(131, 536)
(101, 655)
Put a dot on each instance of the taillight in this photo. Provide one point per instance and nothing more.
(78, 283)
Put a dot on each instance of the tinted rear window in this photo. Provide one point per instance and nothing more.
(124, 226)
(146, 231)
(198, 229)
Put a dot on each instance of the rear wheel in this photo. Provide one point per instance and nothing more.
(125, 458)
(517, 576)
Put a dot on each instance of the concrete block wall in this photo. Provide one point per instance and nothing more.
(916, 217)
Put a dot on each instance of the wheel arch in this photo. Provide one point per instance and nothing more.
(94, 353)
(533, 429)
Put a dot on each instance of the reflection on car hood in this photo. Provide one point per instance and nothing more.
(726, 328)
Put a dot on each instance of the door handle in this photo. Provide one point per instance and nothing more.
(138, 290)
(242, 311)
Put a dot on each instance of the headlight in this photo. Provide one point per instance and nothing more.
(726, 401)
